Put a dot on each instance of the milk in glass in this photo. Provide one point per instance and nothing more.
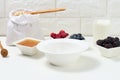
(101, 29)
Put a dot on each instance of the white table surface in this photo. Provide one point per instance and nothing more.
(91, 66)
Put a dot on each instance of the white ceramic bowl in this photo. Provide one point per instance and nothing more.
(62, 51)
(27, 50)
(109, 53)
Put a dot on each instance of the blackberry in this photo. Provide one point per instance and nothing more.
(109, 42)
(115, 44)
(110, 38)
(99, 42)
(116, 39)
(108, 46)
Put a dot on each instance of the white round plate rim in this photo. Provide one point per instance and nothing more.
(80, 43)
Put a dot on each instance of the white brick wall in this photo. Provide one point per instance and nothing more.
(72, 8)
(114, 8)
(92, 8)
(71, 25)
(2, 8)
(78, 17)
(3, 26)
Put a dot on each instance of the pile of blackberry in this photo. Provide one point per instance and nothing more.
(78, 36)
(109, 42)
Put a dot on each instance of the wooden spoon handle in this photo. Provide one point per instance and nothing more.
(47, 11)
(1, 45)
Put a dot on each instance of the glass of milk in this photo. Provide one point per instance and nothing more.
(101, 29)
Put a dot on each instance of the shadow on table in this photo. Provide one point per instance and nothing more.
(116, 58)
(38, 55)
(84, 64)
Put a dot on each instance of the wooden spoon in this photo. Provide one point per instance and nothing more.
(4, 52)
(17, 13)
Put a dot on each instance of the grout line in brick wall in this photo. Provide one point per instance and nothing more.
(4, 8)
(55, 7)
(80, 25)
(107, 8)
